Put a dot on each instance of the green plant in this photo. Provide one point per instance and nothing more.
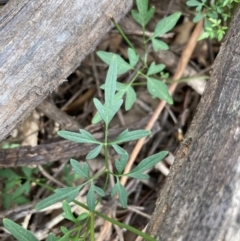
(152, 76)
(216, 16)
(113, 97)
(17, 186)
(83, 229)
(68, 176)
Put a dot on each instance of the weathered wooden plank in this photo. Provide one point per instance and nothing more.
(201, 198)
(41, 43)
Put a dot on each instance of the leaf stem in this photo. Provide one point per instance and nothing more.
(106, 146)
(92, 238)
(125, 38)
(119, 224)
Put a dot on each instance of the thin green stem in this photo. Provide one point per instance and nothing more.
(78, 232)
(145, 47)
(139, 84)
(106, 156)
(106, 181)
(44, 185)
(106, 160)
(105, 185)
(123, 34)
(125, 38)
(92, 238)
(119, 224)
(97, 175)
(106, 146)
(134, 78)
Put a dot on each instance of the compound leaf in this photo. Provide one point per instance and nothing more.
(68, 212)
(59, 195)
(131, 97)
(193, 3)
(18, 231)
(149, 162)
(121, 163)
(24, 188)
(94, 153)
(166, 24)
(110, 83)
(138, 175)
(99, 191)
(113, 110)
(133, 57)
(27, 171)
(154, 69)
(82, 137)
(81, 170)
(91, 201)
(52, 237)
(101, 111)
(143, 15)
(159, 89)
(126, 136)
(9, 174)
(122, 65)
(159, 45)
(122, 193)
(118, 149)
(82, 216)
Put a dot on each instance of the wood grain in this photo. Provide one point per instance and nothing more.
(41, 43)
(201, 197)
